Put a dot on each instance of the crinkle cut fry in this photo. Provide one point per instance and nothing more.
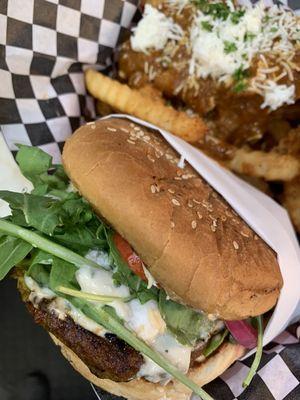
(131, 101)
(291, 200)
(270, 166)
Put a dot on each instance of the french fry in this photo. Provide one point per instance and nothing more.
(270, 166)
(291, 200)
(131, 101)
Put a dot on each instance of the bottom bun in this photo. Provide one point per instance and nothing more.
(139, 389)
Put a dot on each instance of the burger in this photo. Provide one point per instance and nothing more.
(146, 278)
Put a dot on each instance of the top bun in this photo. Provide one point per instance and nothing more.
(199, 250)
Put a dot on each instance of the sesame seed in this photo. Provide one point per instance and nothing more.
(199, 215)
(171, 191)
(196, 201)
(172, 224)
(175, 202)
(235, 245)
(130, 141)
(213, 228)
(177, 178)
(255, 237)
(244, 234)
(150, 158)
(194, 224)
(125, 130)
(136, 128)
(132, 125)
(111, 129)
(190, 204)
(93, 126)
(153, 189)
(157, 155)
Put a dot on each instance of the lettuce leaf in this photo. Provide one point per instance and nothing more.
(187, 325)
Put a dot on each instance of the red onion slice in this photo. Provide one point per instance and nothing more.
(243, 332)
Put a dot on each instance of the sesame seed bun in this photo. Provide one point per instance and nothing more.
(137, 389)
(191, 240)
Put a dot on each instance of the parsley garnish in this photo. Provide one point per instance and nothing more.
(206, 26)
(239, 77)
(236, 16)
(229, 47)
(249, 36)
(216, 10)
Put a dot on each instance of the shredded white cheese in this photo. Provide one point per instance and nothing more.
(277, 95)
(154, 30)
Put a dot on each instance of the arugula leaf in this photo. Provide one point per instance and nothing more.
(214, 343)
(106, 318)
(259, 350)
(40, 273)
(32, 161)
(37, 166)
(70, 221)
(42, 243)
(186, 324)
(63, 274)
(124, 275)
(12, 251)
(41, 213)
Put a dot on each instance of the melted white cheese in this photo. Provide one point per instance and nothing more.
(154, 30)
(143, 319)
(61, 307)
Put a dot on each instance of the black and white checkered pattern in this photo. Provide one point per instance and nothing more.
(44, 46)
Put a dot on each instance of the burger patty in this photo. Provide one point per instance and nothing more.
(107, 357)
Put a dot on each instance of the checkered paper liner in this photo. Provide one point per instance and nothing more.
(44, 47)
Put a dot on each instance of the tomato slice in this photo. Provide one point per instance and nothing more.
(133, 260)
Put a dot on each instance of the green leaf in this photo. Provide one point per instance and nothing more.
(37, 166)
(12, 251)
(40, 273)
(214, 343)
(41, 213)
(63, 274)
(32, 161)
(124, 275)
(186, 324)
(105, 317)
(42, 243)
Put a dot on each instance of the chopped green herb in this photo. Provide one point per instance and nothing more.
(216, 10)
(249, 36)
(236, 16)
(229, 47)
(239, 87)
(206, 26)
(273, 30)
(239, 77)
